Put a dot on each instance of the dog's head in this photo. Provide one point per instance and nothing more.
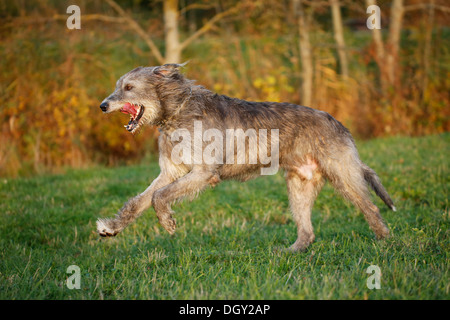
(139, 93)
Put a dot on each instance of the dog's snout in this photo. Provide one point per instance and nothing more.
(104, 106)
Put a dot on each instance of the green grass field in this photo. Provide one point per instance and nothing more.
(225, 245)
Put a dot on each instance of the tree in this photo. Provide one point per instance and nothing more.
(174, 47)
(395, 28)
(387, 55)
(173, 50)
(305, 53)
(339, 36)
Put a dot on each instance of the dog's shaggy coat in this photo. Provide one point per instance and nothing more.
(313, 147)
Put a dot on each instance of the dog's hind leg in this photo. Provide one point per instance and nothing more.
(302, 193)
(347, 176)
(189, 185)
(132, 209)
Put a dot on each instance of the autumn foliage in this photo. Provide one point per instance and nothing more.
(53, 79)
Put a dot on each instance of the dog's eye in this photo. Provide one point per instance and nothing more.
(128, 87)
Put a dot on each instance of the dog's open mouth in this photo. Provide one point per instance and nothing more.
(135, 112)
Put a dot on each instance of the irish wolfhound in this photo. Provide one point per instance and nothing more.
(311, 147)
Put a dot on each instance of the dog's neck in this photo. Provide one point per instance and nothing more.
(173, 109)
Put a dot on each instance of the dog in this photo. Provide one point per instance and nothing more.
(309, 145)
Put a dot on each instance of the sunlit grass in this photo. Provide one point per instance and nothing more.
(225, 245)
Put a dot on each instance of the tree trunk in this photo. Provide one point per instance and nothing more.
(379, 52)
(173, 49)
(305, 53)
(395, 29)
(427, 47)
(339, 36)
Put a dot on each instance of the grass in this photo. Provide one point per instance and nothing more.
(225, 244)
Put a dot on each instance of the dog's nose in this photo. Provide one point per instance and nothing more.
(104, 106)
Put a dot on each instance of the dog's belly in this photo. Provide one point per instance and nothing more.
(240, 172)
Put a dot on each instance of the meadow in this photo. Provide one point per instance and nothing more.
(228, 239)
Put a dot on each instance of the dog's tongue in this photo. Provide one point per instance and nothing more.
(130, 109)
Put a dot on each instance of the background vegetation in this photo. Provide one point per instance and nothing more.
(53, 79)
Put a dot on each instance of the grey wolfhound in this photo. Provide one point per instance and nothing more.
(312, 147)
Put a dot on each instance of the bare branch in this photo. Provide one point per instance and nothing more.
(136, 27)
(424, 6)
(352, 5)
(86, 17)
(31, 20)
(207, 26)
(93, 17)
(316, 3)
(196, 6)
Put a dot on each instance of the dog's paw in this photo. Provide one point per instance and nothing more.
(382, 233)
(169, 224)
(104, 230)
(299, 246)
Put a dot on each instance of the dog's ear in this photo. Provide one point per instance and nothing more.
(169, 70)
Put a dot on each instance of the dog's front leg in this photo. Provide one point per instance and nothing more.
(189, 185)
(132, 209)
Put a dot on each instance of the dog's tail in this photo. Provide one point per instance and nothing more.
(375, 183)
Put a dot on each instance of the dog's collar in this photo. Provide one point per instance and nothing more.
(162, 124)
